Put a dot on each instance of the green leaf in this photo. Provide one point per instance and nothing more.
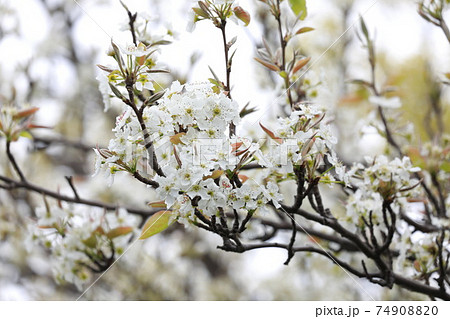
(116, 91)
(119, 231)
(299, 8)
(26, 134)
(364, 29)
(201, 13)
(304, 30)
(157, 223)
(91, 241)
(283, 74)
(159, 204)
(155, 97)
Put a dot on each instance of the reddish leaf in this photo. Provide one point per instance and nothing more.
(300, 64)
(242, 15)
(243, 178)
(271, 134)
(235, 146)
(25, 113)
(268, 65)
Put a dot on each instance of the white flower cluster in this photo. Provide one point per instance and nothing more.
(189, 128)
(193, 106)
(418, 253)
(124, 151)
(301, 137)
(202, 160)
(81, 239)
(382, 180)
(139, 58)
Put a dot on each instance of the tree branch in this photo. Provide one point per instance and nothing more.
(12, 184)
(13, 161)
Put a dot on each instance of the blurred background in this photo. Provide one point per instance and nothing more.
(48, 55)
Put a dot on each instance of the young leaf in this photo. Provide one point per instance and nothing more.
(304, 30)
(214, 74)
(300, 64)
(157, 71)
(104, 68)
(271, 134)
(299, 8)
(155, 97)
(243, 178)
(236, 146)
(160, 204)
(161, 42)
(201, 13)
(242, 15)
(214, 175)
(116, 91)
(26, 134)
(364, 28)
(156, 224)
(91, 241)
(118, 56)
(268, 65)
(246, 110)
(175, 139)
(25, 113)
(119, 231)
(232, 42)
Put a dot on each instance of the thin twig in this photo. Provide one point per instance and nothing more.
(152, 160)
(13, 184)
(13, 161)
(69, 180)
(283, 55)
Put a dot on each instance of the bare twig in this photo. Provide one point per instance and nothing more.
(13, 161)
(13, 184)
(69, 180)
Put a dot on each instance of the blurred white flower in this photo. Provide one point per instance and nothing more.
(389, 103)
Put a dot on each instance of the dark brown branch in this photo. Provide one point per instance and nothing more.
(424, 228)
(441, 262)
(441, 212)
(417, 286)
(12, 184)
(390, 225)
(388, 132)
(343, 243)
(144, 180)
(319, 251)
(245, 221)
(131, 21)
(69, 180)
(290, 249)
(13, 161)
